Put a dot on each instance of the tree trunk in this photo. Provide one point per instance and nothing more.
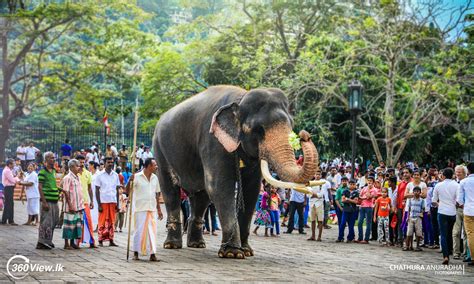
(7, 73)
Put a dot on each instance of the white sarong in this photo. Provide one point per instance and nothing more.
(33, 206)
(95, 212)
(144, 236)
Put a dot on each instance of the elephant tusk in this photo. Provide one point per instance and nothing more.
(316, 183)
(282, 184)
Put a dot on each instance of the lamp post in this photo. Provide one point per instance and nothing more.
(355, 106)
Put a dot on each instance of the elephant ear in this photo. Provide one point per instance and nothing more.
(225, 126)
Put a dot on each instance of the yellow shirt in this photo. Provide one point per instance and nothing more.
(144, 192)
(86, 179)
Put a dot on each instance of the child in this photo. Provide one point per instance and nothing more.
(415, 208)
(381, 213)
(122, 210)
(262, 217)
(350, 199)
(367, 195)
(275, 201)
(316, 204)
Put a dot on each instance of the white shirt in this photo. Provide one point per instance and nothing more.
(466, 195)
(297, 196)
(325, 189)
(139, 153)
(21, 150)
(337, 180)
(108, 186)
(144, 192)
(446, 193)
(89, 157)
(319, 199)
(114, 150)
(31, 152)
(361, 182)
(32, 191)
(146, 155)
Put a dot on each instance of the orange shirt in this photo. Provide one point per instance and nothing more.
(383, 206)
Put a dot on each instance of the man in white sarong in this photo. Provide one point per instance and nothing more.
(146, 207)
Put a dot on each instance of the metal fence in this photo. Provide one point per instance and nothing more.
(51, 139)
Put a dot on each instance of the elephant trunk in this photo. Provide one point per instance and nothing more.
(277, 150)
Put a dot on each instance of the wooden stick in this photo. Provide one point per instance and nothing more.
(130, 193)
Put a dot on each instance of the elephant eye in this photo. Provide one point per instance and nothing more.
(259, 131)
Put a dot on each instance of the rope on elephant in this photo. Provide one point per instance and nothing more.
(240, 196)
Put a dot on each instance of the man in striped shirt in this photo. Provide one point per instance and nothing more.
(49, 194)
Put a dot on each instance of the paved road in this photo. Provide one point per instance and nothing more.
(287, 258)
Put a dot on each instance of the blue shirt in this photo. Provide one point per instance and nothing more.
(466, 195)
(66, 149)
(126, 176)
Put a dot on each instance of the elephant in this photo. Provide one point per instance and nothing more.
(211, 145)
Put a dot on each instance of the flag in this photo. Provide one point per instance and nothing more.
(105, 120)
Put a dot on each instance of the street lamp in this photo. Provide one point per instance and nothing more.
(355, 106)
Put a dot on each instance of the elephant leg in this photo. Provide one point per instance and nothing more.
(222, 195)
(199, 203)
(173, 208)
(251, 186)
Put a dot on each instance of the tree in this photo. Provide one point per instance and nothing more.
(413, 71)
(167, 80)
(58, 53)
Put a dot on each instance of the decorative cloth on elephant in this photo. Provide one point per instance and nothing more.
(262, 217)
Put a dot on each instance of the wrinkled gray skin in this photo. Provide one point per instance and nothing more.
(191, 156)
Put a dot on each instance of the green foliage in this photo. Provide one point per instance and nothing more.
(167, 80)
(417, 83)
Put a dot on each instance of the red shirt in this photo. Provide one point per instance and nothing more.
(401, 194)
(383, 206)
(121, 179)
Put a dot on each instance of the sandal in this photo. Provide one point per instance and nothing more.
(311, 239)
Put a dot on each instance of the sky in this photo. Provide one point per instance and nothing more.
(444, 18)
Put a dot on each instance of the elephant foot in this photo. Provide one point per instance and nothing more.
(230, 252)
(248, 251)
(197, 244)
(172, 245)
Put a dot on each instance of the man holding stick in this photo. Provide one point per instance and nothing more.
(146, 195)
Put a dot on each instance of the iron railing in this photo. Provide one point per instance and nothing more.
(51, 139)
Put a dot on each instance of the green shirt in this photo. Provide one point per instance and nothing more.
(339, 194)
(47, 179)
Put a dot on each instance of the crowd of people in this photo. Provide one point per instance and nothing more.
(407, 207)
(85, 195)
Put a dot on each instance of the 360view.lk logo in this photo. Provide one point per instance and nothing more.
(19, 266)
